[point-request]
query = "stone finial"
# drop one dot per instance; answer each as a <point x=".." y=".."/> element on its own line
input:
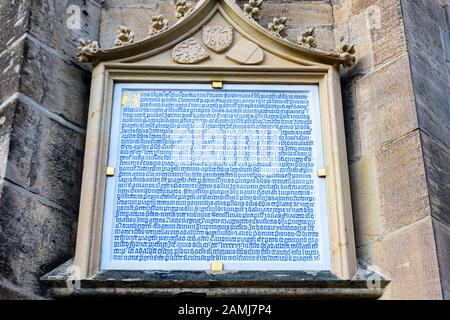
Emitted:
<point x="124" y="36"/>
<point x="308" y="39"/>
<point x="253" y="9"/>
<point x="182" y="8"/>
<point x="346" y="51"/>
<point x="278" y="27"/>
<point x="87" y="48"/>
<point x="158" y="23"/>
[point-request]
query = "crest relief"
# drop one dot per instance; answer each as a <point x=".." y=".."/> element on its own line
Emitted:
<point x="189" y="51"/>
<point x="246" y="52"/>
<point x="218" y="38"/>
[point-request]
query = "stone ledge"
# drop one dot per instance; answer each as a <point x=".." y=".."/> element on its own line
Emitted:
<point x="9" y="291"/>
<point x="251" y="284"/>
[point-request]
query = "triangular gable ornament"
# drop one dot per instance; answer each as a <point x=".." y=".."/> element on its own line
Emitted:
<point x="216" y="38"/>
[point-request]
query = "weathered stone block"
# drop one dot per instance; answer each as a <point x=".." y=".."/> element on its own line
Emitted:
<point x="437" y="165"/>
<point x="377" y="29"/>
<point x="423" y="35"/>
<point x="7" y="114"/>
<point x="137" y="19"/>
<point x="352" y="131"/>
<point x="45" y="157"/>
<point x="62" y="88"/>
<point x="408" y="258"/>
<point x="445" y="37"/>
<point x="344" y="9"/>
<point x="132" y="3"/>
<point x="9" y="291"/>
<point x="365" y="200"/>
<point x="14" y="21"/>
<point x="388" y="42"/>
<point x="299" y="13"/>
<point x="375" y="112"/>
<point x="48" y="23"/>
<point x="35" y="237"/>
<point x="10" y="67"/>
<point x="356" y="31"/>
<point x="383" y="114"/>
<point x="442" y="236"/>
<point x="432" y="101"/>
<point x="431" y="9"/>
<point x="402" y="183"/>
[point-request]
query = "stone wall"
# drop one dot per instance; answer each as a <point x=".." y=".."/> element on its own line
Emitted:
<point x="397" y="109"/>
<point x="427" y="33"/>
<point x="44" y="98"/>
<point x="301" y="15"/>
<point x="396" y="101"/>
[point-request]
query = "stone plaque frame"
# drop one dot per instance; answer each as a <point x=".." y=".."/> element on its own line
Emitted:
<point x="151" y="61"/>
<point x="339" y="205"/>
<point x="320" y="193"/>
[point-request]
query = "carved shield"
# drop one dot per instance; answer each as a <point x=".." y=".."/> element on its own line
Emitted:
<point x="189" y="52"/>
<point x="217" y="38"/>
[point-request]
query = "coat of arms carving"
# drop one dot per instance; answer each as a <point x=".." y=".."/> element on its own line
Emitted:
<point x="189" y="52"/>
<point x="218" y="38"/>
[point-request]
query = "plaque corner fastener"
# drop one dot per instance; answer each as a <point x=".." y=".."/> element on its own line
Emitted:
<point x="110" y="171"/>
<point x="216" y="266"/>
<point x="322" y="173"/>
<point x="217" y="85"/>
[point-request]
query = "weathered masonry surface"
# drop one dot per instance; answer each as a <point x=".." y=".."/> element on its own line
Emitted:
<point x="44" y="97"/>
<point x="396" y="102"/>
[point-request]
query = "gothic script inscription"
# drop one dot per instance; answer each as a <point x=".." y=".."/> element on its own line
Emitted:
<point x="216" y="175"/>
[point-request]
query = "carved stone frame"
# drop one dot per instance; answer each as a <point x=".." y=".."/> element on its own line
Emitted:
<point x="97" y="143"/>
<point x="150" y="61"/>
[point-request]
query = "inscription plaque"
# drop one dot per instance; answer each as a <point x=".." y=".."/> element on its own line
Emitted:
<point x="207" y="175"/>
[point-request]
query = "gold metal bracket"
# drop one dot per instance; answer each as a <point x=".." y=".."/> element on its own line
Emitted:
<point x="322" y="173"/>
<point x="216" y="266"/>
<point x="110" y="171"/>
<point x="217" y="85"/>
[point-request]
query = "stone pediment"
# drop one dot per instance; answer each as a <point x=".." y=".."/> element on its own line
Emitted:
<point x="214" y="33"/>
